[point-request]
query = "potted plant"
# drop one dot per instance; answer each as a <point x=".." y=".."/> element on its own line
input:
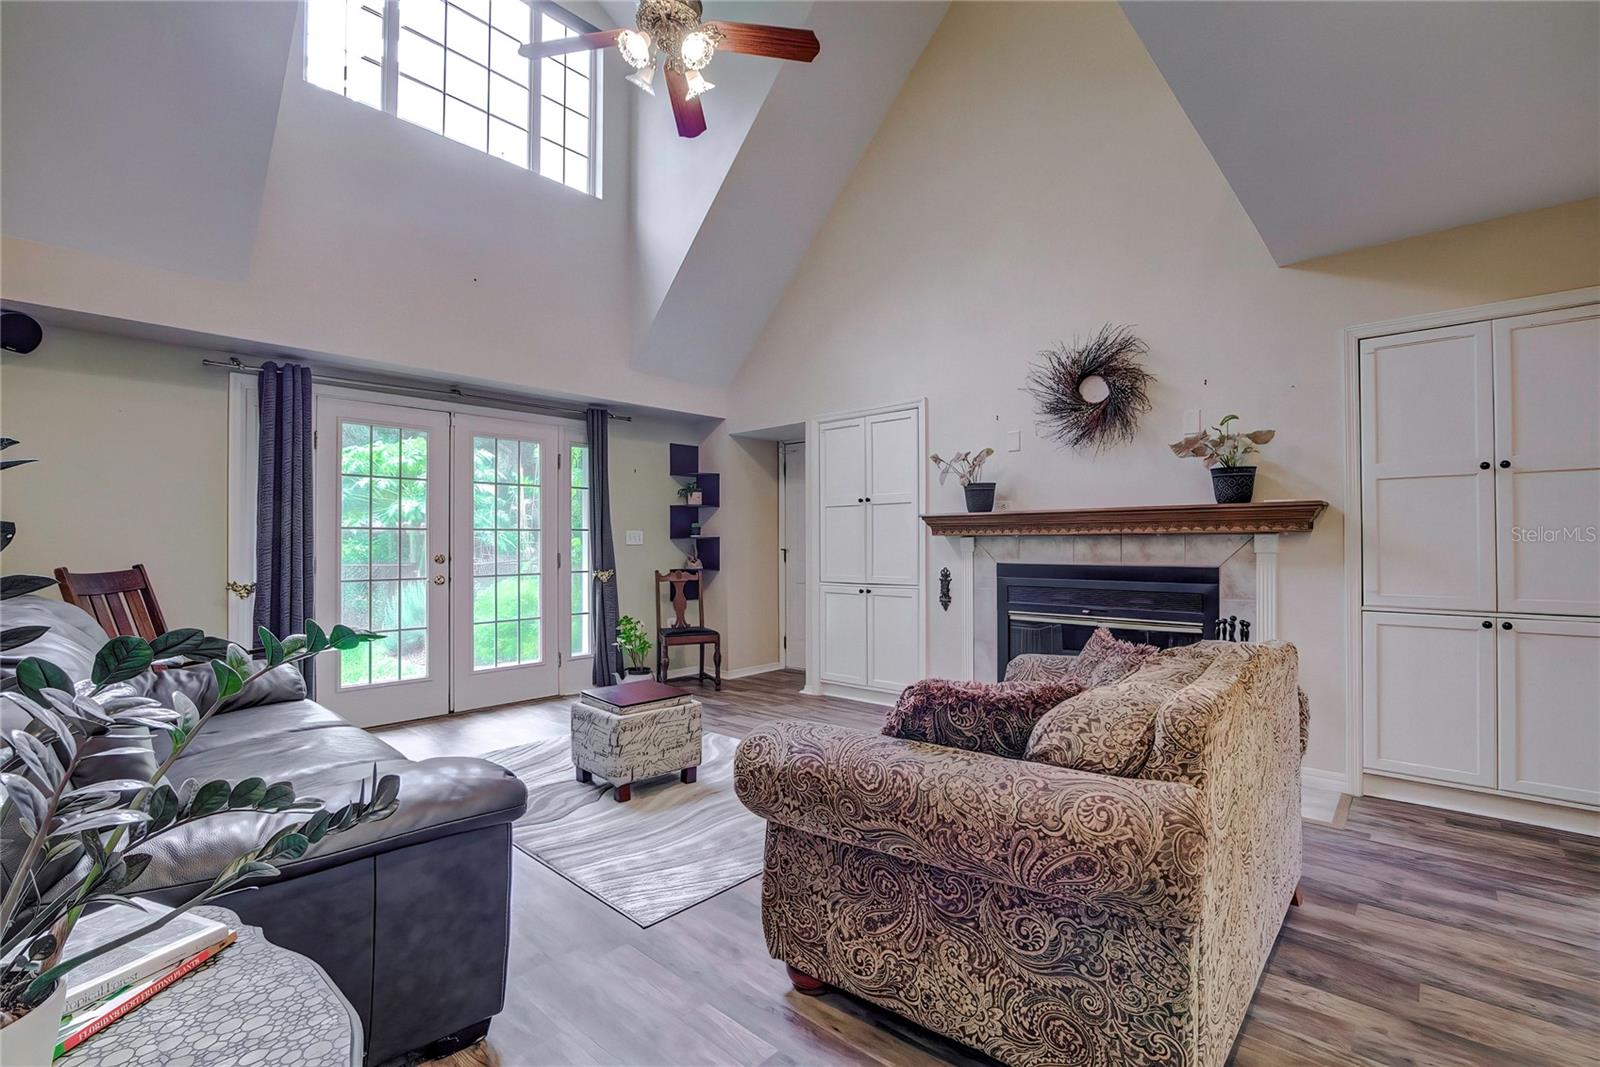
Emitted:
<point x="691" y="493"/>
<point x="78" y="843"/>
<point x="635" y="644"/>
<point x="967" y="467"/>
<point x="1224" y="450"/>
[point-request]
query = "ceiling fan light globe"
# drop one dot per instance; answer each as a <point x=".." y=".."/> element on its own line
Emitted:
<point x="696" y="50"/>
<point x="644" y="78"/>
<point x="697" y="84"/>
<point x="635" y="48"/>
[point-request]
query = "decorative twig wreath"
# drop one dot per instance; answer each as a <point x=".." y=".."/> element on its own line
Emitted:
<point x="1057" y="384"/>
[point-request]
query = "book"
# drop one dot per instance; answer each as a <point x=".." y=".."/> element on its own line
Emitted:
<point x="139" y="959"/>
<point x="633" y="697"/>
<point x="77" y="1029"/>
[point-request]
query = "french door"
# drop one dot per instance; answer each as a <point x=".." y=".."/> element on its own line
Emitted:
<point x="440" y="532"/>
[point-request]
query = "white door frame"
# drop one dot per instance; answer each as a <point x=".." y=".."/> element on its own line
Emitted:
<point x="1350" y="339"/>
<point x="814" y="684"/>
<point x="783" y="547"/>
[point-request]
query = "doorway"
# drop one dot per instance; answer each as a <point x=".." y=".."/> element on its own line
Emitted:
<point x="792" y="553"/>
<point x="445" y="531"/>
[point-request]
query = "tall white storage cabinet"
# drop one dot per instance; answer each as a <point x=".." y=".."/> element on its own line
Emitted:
<point x="870" y="477"/>
<point x="1480" y="536"/>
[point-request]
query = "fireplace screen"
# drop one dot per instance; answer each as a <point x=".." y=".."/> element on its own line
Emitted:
<point x="1054" y="608"/>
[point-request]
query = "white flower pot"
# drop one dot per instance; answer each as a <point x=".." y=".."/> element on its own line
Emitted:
<point x="31" y="1040"/>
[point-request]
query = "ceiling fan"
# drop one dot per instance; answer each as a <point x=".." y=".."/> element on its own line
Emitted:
<point x="673" y="30"/>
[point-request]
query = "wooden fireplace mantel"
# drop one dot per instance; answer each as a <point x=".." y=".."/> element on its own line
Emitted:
<point x="1258" y="517"/>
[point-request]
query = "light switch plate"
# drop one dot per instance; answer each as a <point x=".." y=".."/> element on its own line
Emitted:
<point x="634" y="537"/>
<point x="1013" y="440"/>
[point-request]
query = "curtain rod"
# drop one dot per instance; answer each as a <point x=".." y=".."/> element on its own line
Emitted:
<point x="453" y="393"/>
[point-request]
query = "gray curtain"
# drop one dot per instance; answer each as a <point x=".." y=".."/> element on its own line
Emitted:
<point x="284" y="534"/>
<point x="602" y="554"/>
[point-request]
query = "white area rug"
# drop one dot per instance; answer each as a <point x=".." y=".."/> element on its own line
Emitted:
<point x="670" y="847"/>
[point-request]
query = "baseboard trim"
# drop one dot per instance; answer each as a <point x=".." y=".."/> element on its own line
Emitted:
<point x="740" y="672"/>
<point x="853" y="692"/>
<point x="1334" y="780"/>
<point x="1488" y="805"/>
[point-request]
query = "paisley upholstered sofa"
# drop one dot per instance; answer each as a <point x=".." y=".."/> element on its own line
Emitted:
<point x="1042" y="914"/>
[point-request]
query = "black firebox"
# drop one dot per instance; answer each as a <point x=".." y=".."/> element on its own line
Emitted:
<point x="1053" y="608"/>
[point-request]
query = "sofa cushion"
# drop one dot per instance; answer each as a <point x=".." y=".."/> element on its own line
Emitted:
<point x="1105" y="660"/>
<point x="70" y="643"/>
<point x="1109" y="729"/>
<point x="278" y="742"/>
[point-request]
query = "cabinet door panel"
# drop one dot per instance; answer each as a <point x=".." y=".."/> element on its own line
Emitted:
<point x="1427" y="426"/>
<point x="894" y="622"/>
<point x="894" y="470"/>
<point x="1547" y="379"/>
<point x="844" y="635"/>
<point x="842" y="477"/>
<point x="1550" y="709"/>
<point x="1428" y="699"/>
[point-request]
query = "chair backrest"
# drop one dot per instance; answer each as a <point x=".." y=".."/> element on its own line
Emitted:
<point x="121" y="601"/>
<point x="679" y="597"/>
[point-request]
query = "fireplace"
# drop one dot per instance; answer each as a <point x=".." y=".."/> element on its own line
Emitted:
<point x="1053" y="608"/>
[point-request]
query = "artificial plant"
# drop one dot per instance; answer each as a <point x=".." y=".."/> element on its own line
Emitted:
<point x="633" y="641"/>
<point x="1221" y="445"/>
<point x="79" y="843"/>
<point x="966" y="466"/>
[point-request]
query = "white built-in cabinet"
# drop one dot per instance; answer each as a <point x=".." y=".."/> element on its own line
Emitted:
<point x="870" y="476"/>
<point x="1480" y="454"/>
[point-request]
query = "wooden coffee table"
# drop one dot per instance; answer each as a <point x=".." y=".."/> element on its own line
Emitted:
<point x="649" y="729"/>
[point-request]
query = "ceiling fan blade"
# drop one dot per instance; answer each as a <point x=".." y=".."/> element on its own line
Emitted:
<point x="779" y="42"/>
<point x="690" y="115"/>
<point x="599" y="39"/>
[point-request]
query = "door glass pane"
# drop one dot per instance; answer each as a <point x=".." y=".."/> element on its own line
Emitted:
<point x="383" y="516"/>
<point x="505" y="552"/>
<point x="578" y="559"/>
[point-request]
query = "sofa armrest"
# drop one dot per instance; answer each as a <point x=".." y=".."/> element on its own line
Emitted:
<point x="1118" y="841"/>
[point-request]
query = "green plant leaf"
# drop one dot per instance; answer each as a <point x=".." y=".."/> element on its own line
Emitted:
<point x="8" y="531"/>
<point x="121" y="658"/>
<point x="162" y="806"/>
<point x="211" y="798"/>
<point x="35" y="675"/>
<point x="188" y="641"/>
<point x="100" y="820"/>
<point x="343" y="638"/>
<point x="271" y="646"/>
<point x="18" y="584"/>
<point x="291" y="847"/>
<point x="387" y="791"/>
<point x="248" y="793"/>
<point x="18" y="636"/>
<point x="7" y="464"/>
<point x="7" y="442"/>
<point x="316" y="640"/>
<point x="239" y="660"/>
<point x="31" y="805"/>
<point x="228" y="680"/>
<point x="278" y="796"/>
<point x="294" y="644"/>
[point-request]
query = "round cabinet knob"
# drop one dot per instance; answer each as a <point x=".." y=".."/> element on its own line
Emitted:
<point x="861" y="590"/>
<point x="869" y="591"/>
<point x="438" y="579"/>
<point x="1484" y="465"/>
<point x="869" y="500"/>
<point x="1487" y="625"/>
<point x="1505" y="463"/>
<point x="438" y="557"/>
<point x="1505" y="626"/>
<point x="861" y="500"/>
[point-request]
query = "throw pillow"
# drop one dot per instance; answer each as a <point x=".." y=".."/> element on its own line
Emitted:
<point x="993" y="717"/>
<point x="1109" y="729"/>
<point x="1105" y="659"/>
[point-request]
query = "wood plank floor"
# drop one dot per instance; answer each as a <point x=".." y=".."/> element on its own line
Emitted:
<point x="1425" y="938"/>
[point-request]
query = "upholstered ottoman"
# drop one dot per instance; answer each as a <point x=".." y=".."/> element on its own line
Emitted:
<point x="624" y="749"/>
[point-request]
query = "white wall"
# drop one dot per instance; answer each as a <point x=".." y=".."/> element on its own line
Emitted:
<point x="131" y="439"/>
<point x="1036" y="178"/>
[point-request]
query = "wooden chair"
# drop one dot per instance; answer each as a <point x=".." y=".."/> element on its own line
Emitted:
<point x="681" y="632"/>
<point x="122" y="602"/>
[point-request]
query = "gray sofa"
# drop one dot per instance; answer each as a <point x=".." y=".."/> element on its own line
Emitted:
<point x="409" y="915"/>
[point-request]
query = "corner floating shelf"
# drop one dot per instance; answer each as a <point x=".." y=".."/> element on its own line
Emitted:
<point x="684" y="465"/>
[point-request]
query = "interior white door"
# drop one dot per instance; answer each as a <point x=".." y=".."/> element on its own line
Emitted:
<point x="1547" y="441"/>
<point x="794" y="555"/>
<point x="1550" y="708"/>
<point x="1427" y="470"/>
<point x="843" y="632"/>
<point x="1428" y="700"/>
<point x="894" y="622"/>
<point x="381" y="483"/>
<point x="843" y="500"/>
<point x="506" y="603"/>
<point x="894" y="471"/>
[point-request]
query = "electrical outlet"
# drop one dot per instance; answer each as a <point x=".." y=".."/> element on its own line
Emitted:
<point x="634" y="537"/>
<point x="1013" y="440"/>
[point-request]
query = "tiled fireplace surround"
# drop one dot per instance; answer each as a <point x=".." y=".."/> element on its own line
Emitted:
<point x="1247" y="568"/>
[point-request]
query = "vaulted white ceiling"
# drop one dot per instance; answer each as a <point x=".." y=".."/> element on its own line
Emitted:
<point x="1341" y="125"/>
